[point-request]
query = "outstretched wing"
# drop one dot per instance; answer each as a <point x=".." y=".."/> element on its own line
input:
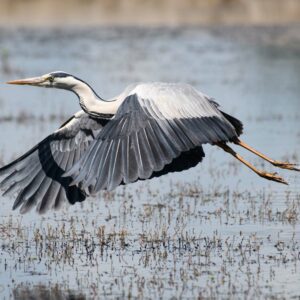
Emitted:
<point x="150" y="129"/>
<point x="37" y="175"/>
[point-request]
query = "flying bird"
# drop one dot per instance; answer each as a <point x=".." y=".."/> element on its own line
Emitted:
<point x="147" y="131"/>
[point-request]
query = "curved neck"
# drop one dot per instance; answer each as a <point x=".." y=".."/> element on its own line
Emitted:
<point x="91" y="103"/>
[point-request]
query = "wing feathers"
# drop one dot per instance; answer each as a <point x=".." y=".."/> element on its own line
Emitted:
<point x="36" y="188"/>
<point x="155" y="128"/>
<point x="114" y="172"/>
<point x="37" y="175"/>
<point x="146" y="135"/>
<point x="49" y="190"/>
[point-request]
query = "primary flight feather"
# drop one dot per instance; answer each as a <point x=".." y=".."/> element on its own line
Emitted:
<point x="147" y="131"/>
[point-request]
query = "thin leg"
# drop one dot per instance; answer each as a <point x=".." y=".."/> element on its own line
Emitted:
<point x="276" y="163"/>
<point x="269" y="176"/>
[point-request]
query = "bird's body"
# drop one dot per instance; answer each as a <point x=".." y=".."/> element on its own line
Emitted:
<point x="150" y="129"/>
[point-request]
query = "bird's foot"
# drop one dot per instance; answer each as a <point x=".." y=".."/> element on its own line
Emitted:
<point x="273" y="177"/>
<point x="286" y="165"/>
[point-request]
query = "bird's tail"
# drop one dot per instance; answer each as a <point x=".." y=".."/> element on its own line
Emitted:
<point x="237" y="124"/>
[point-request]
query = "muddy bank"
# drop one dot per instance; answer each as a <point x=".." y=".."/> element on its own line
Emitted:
<point x="147" y="12"/>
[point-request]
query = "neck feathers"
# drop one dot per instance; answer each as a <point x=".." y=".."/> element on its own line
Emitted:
<point x="91" y="103"/>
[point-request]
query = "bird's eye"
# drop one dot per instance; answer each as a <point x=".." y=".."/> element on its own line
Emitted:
<point x="51" y="79"/>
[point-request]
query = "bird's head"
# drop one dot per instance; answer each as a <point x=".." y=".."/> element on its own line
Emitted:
<point x="57" y="79"/>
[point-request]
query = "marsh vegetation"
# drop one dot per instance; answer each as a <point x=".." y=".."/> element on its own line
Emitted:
<point x="215" y="231"/>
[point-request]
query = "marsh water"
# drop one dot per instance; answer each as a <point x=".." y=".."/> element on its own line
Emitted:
<point x="217" y="230"/>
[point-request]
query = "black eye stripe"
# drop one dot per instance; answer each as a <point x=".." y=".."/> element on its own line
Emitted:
<point x="64" y="75"/>
<point x="60" y="74"/>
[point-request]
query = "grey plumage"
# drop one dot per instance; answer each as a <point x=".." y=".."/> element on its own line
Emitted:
<point x="37" y="175"/>
<point x="146" y="134"/>
<point x="147" y="131"/>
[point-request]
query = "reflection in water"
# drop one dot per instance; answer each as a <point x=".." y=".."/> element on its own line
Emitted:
<point x="42" y="292"/>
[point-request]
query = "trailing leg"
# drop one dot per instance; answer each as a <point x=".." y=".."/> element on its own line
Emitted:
<point x="276" y="163"/>
<point x="269" y="176"/>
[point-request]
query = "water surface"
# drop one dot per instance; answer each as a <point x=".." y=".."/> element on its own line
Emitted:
<point x="217" y="230"/>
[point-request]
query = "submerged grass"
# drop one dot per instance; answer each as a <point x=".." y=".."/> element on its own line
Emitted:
<point x="215" y="231"/>
<point x="188" y="242"/>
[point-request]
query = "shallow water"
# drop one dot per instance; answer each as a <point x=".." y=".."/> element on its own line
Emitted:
<point x="216" y="230"/>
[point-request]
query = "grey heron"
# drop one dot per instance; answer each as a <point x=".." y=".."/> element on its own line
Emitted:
<point x="149" y="130"/>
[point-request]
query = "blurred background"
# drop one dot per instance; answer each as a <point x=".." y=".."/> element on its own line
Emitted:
<point x="215" y="231"/>
<point x="147" y="12"/>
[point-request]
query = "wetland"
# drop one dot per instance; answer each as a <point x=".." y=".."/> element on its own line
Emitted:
<point x="214" y="231"/>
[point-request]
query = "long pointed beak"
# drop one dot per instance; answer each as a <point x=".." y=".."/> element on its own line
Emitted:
<point x="28" y="81"/>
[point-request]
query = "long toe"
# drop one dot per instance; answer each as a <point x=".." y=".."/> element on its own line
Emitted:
<point x="286" y="165"/>
<point x="273" y="177"/>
